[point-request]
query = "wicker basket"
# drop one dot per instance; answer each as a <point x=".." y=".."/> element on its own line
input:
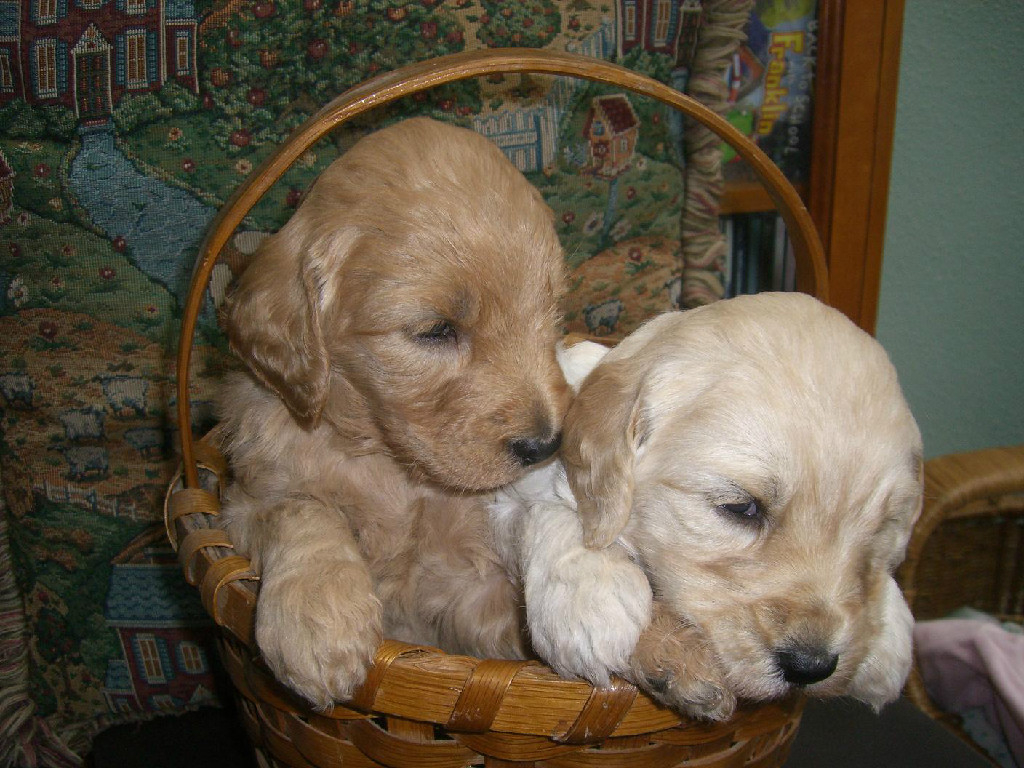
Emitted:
<point x="968" y="547"/>
<point x="419" y="706"/>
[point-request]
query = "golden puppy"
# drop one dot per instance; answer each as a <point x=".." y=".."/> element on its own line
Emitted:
<point x="399" y="333"/>
<point x="747" y="475"/>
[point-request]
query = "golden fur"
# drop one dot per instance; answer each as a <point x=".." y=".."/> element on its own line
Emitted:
<point x="747" y="477"/>
<point x="399" y="333"/>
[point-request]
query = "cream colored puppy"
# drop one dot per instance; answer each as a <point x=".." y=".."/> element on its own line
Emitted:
<point x="747" y="475"/>
<point x="399" y="334"/>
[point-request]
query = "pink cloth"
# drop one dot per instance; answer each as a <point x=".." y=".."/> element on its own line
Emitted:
<point x="970" y="663"/>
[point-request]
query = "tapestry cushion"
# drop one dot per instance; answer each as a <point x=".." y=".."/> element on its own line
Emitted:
<point x="126" y="124"/>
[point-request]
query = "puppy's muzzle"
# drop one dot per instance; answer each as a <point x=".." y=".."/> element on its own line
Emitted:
<point x="532" y="450"/>
<point x="804" y="666"/>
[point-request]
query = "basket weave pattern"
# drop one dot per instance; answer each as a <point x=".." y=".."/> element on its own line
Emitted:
<point x="968" y="547"/>
<point x="422" y="707"/>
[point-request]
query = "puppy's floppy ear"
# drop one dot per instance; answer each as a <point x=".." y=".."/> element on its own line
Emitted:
<point x="881" y="675"/>
<point x="273" y="321"/>
<point x="601" y="436"/>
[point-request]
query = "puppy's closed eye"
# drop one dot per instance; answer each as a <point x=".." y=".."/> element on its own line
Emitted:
<point x="746" y="512"/>
<point x="441" y="332"/>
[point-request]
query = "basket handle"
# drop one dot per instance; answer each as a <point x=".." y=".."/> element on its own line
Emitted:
<point x="812" y="274"/>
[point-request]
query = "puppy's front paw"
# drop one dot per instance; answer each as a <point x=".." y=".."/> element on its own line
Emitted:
<point x="691" y="692"/>
<point x="318" y="630"/>
<point x="585" y="610"/>
<point x="673" y="663"/>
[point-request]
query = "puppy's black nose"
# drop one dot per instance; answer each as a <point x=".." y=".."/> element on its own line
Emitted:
<point x="803" y="666"/>
<point x="530" y="450"/>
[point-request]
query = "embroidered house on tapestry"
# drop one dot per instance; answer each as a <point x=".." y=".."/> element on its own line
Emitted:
<point x="611" y="128"/>
<point x="529" y="136"/>
<point x="86" y="55"/>
<point x="163" y="630"/>
<point x="660" y="26"/>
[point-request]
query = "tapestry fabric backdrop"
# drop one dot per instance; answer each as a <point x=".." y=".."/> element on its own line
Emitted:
<point x="125" y="125"/>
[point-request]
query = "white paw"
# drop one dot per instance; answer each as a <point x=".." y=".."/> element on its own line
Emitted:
<point x="318" y="630"/>
<point x="585" y="609"/>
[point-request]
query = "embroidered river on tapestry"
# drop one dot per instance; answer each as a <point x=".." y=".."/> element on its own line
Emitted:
<point x="161" y="224"/>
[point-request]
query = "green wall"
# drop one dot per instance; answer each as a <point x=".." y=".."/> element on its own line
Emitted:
<point x="951" y="309"/>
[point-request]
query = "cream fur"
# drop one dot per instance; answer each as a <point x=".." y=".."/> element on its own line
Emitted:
<point x="774" y="398"/>
<point x="399" y="333"/>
